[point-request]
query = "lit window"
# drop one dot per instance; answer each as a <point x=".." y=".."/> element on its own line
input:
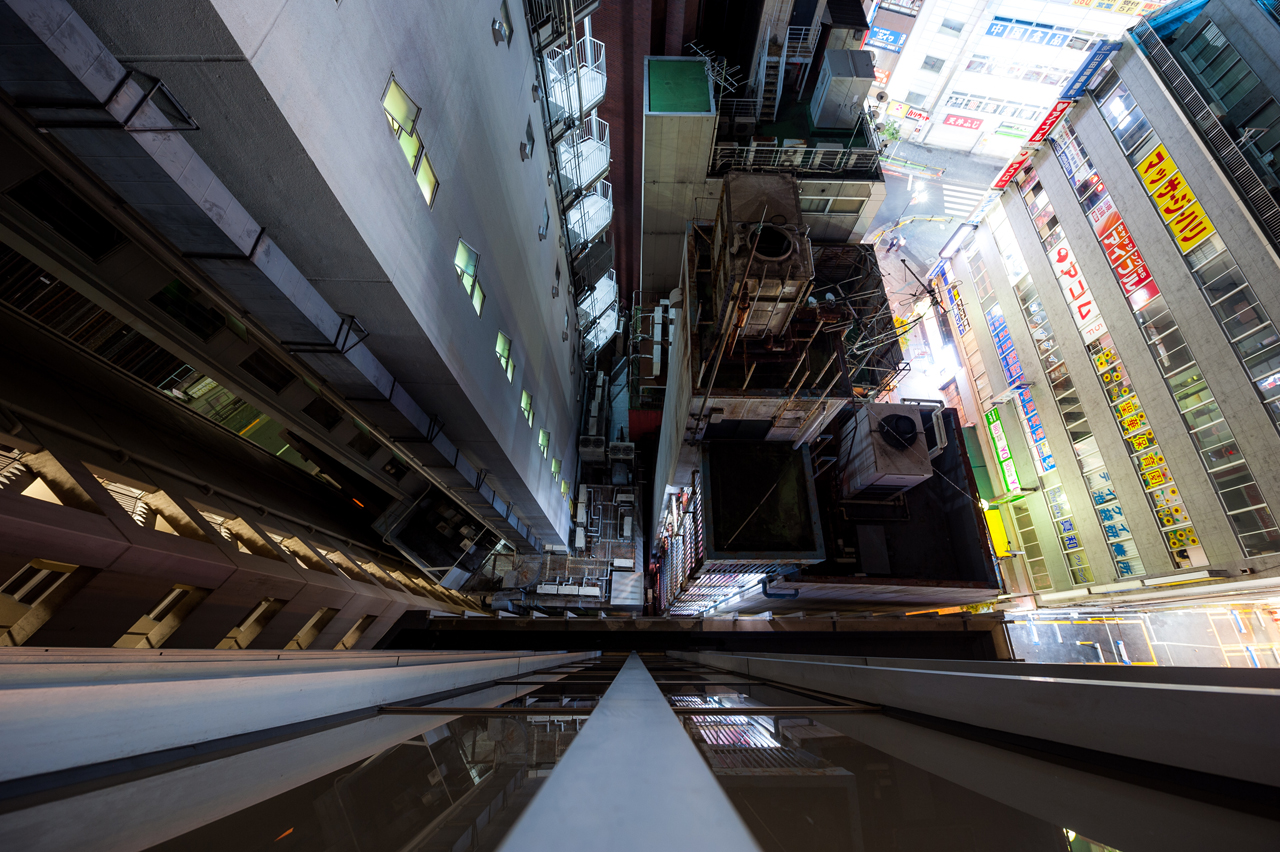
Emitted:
<point x="555" y="469"/>
<point x="465" y="260"/>
<point x="504" y="355"/>
<point x="402" y="116"/>
<point x="544" y="442"/>
<point x="564" y="488"/>
<point x="526" y="407"/>
<point x="477" y="299"/>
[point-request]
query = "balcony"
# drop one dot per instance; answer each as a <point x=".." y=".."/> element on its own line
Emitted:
<point x="598" y="312"/>
<point x="575" y="79"/>
<point x="583" y="155"/>
<point x="590" y="216"/>
<point x="547" y="17"/>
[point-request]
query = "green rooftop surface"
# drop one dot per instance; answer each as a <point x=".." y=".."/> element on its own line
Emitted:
<point x="678" y="85"/>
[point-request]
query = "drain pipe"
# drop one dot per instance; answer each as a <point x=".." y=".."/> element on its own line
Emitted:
<point x="788" y="595"/>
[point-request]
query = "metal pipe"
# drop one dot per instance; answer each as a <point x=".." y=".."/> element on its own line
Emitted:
<point x="750" y="373"/>
<point x="800" y="438"/>
<point x="803" y="353"/>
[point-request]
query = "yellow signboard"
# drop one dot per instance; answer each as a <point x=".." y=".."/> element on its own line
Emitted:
<point x="1173" y="196"/>
<point x="1191" y="227"/>
<point x="1157" y="166"/>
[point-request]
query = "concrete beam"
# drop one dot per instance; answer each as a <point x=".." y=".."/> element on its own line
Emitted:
<point x="647" y="784"/>
<point x="54" y="721"/>
<point x="1160" y="715"/>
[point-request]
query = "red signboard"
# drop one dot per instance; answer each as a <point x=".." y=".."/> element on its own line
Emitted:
<point x="1015" y="166"/>
<point x="1133" y="273"/>
<point x="962" y="121"/>
<point x="1046" y="126"/>
<point x="1104" y="216"/>
<point x="1117" y="243"/>
<point x="882" y="76"/>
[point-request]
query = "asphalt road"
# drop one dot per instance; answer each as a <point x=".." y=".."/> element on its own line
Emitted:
<point x="932" y="190"/>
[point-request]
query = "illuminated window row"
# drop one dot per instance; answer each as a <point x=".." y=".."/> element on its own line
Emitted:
<point x="1106" y="505"/>
<point x="402" y="115"/>
<point x="1243" y="320"/>
<point x="1190" y="228"/>
<point x="1163" y="494"/>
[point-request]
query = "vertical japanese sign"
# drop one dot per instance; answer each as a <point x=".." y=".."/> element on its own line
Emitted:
<point x="1004" y="457"/>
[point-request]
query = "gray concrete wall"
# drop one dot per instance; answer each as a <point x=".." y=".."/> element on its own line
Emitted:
<point x="303" y="142"/>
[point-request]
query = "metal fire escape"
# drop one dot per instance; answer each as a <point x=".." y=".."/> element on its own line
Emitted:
<point x="571" y="85"/>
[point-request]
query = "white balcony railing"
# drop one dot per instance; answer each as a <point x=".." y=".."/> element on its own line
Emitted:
<point x="801" y="42"/>
<point x="583" y="155"/>
<point x="575" y="78"/>
<point x="590" y="215"/>
<point x="598" y="312"/>
<point x="739" y="108"/>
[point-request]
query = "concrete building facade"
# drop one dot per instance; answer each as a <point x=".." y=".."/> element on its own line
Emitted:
<point x="1118" y="302"/>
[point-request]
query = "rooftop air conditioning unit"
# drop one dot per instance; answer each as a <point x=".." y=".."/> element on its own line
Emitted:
<point x="591" y="448"/>
<point x="883" y="452"/>
<point x="622" y="451"/>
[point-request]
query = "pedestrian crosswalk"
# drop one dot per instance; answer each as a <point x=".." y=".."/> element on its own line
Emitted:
<point x="960" y="200"/>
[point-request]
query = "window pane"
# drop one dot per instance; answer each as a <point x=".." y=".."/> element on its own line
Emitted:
<point x="1252" y="521"/>
<point x="1243" y="497"/>
<point x="410" y="144"/>
<point x="1169" y="358"/>
<point x="477" y="299"/>
<point x="399" y="106"/>
<point x="1202" y="416"/>
<point x="427" y="181"/>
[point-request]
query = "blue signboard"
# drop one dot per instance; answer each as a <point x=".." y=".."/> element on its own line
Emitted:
<point x="1100" y="54"/>
<point x="1031" y="34"/>
<point x="888" y="39"/>
<point x="1012" y="368"/>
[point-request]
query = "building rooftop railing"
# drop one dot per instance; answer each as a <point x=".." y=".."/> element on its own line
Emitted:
<point x="1247" y="182"/>
<point x="801" y="42"/>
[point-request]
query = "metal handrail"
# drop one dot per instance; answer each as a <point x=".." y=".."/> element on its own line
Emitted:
<point x="739" y="107"/>
<point x="801" y="42"/>
<point x="1247" y="182"/>
<point x="571" y="151"/>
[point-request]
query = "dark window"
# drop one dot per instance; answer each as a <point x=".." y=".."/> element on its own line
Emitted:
<point x="267" y="370"/>
<point x="395" y="468"/>
<point x="363" y="444"/>
<point x="181" y="302"/>
<point x="321" y="411"/>
<point x="933" y="63"/>
<point x="53" y="202"/>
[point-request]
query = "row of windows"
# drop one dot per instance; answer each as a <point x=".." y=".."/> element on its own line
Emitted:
<point x="1046" y="74"/>
<point x="1220" y="66"/>
<point x="993" y="106"/>
<point x="1084" y="446"/>
<point x="1244" y="321"/>
<point x="503" y="350"/>
<point x="402" y="117"/>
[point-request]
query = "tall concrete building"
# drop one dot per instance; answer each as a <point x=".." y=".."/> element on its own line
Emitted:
<point x="977" y="76"/>
<point x="345" y="268"/>
<point x="1116" y="313"/>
